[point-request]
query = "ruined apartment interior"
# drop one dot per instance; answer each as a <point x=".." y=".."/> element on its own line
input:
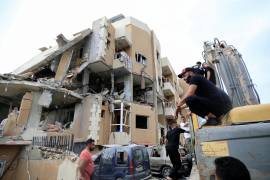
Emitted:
<point x="108" y="83"/>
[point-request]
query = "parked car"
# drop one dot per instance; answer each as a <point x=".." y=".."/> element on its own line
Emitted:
<point x="160" y="163"/>
<point x="122" y="162"/>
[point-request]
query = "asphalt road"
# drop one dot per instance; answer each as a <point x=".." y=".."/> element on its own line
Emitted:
<point x="193" y="176"/>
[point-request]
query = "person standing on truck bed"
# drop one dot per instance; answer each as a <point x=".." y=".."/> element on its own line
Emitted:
<point x="203" y="98"/>
<point x="209" y="73"/>
<point x="172" y="146"/>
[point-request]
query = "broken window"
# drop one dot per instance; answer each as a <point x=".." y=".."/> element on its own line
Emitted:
<point x="81" y="53"/>
<point x="56" y="119"/>
<point x="99" y="82"/>
<point x="141" y="122"/>
<point x="119" y="87"/>
<point x="4" y="110"/>
<point x="107" y="156"/>
<point x="156" y="153"/>
<point x="103" y="113"/>
<point x="158" y="55"/>
<point x="121" y="157"/>
<point x="44" y="72"/>
<point x="140" y="59"/>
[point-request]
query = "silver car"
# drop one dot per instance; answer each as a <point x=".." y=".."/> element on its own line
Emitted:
<point x="160" y="163"/>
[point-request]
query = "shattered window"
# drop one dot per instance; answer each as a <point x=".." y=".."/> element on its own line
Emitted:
<point x="140" y="59"/>
<point x="158" y="55"/>
<point x="121" y="157"/>
<point x="107" y="156"/>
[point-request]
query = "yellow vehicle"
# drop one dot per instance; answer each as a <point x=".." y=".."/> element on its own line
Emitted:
<point x="245" y="130"/>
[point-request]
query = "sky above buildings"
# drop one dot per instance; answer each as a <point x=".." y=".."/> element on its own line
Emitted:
<point x="181" y="27"/>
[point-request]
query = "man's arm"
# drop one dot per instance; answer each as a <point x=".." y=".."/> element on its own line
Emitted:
<point x="165" y="141"/>
<point x="208" y="74"/>
<point x="82" y="165"/>
<point x="190" y="92"/>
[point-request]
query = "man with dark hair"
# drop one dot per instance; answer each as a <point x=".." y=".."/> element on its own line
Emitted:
<point x="230" y="168"/>
<point x="203" y="98"/>
<point x="198" y="68"/>
<point x="86" y="165"/>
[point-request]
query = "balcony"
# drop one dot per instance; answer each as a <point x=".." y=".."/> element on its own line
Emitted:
<point x="170" y="109"/>
<point x="168" y="88"/>
<point x="166" y="67"/>
<point x="122" y="64"/>
<point x="160" y="108"/>
<point x="122" y="38"/>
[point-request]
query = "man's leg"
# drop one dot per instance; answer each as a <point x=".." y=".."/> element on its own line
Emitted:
<point x="204" y="108"/>
<point x="198" y="105"/>
<point x="176" y="162"/>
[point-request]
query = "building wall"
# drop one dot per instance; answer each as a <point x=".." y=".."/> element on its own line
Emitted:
<point x="87" y="118"/>
<point x="38" y="169"/>
<point x="141" y="43"/>
<point x="143" y="136"/>
<point x="105" y="125"/>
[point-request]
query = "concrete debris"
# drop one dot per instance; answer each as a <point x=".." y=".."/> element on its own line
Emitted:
<point x="43" y="49"/>
<point x="53" y="153"/>
<point x="45" y="99"/>
<point x="61" y="40"/>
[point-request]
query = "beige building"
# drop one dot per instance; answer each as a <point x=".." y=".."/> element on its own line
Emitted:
<point x="108" y="83"/>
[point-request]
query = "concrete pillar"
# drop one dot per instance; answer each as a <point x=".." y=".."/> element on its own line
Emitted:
<point x="34" y="117"/>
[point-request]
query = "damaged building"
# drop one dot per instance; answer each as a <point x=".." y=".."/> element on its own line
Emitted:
<point x="109" y="83"/>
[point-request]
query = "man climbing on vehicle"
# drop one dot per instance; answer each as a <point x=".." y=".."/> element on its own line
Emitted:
<point x="172" y="146"/>
<point x="203" y="98"/>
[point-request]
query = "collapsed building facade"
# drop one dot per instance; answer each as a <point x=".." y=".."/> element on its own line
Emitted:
<point x="108" y="83"/>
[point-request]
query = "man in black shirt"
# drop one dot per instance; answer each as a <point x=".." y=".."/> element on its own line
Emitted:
<point x="172" y="146"/>
<point x="199" y="68"/>
<point x="203" y="98"/>
<point x="209" y="73"/>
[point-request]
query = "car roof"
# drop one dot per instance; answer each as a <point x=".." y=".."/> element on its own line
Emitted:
<point x="115" y="146"/>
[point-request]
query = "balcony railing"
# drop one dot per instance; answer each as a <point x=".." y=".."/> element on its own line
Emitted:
<point x="122" y="63"/>
<point x="170" y="109"/>
<point x="168" y="87"/>
<point x="166" y="67"/>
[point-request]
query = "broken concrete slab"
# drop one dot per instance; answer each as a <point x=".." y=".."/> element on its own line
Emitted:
<point x="16" y="89"/>
<point x="46" y="56"/>
<point x="63" y="65"/>
<point x="24" y="111"/>
<point x="45" y="99"/>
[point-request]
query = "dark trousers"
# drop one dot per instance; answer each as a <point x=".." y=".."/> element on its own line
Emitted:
<point x="176" y="162"/>
<point x="203" y="106"/>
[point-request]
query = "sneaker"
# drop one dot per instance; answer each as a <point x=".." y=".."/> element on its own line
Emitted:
<point x="202" y="122"/>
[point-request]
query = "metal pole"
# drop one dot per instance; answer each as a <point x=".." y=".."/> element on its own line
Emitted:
<point x="121" y="116"/>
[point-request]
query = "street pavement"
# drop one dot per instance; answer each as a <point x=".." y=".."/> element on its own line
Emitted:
<point x="193" y="176"/>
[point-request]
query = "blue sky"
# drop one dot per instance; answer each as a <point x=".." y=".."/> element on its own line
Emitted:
<point x="181" y="27"/>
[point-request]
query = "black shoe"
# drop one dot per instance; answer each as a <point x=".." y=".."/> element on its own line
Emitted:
<point x="213" y="122"/>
